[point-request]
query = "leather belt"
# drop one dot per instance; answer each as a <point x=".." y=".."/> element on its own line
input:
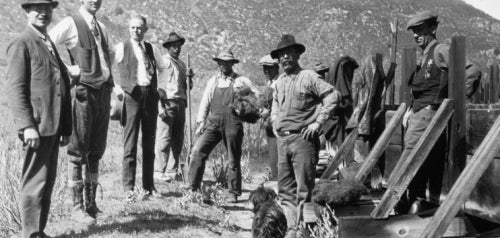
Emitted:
<point x="289" y="132"/>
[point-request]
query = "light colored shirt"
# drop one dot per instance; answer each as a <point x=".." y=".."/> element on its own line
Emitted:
<point x="296" y="97"/>
<point x="65" y="33"/>
<point x="221" y="81"/>
<point x="143" y="78"/>
<point x="173" y="78"/>
<point x="45" y="39"/>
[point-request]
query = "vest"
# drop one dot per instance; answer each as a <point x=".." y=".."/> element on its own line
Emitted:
<point x="429" y="84"/>
<point x="128" y="67"/>
<point x="86" y="55"/>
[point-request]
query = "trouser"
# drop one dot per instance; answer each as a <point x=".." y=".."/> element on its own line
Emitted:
<point x="90" y="129"/>
<point x="230" y="131"/>
<point x="431" y="171"/>
<point x="37" y="181"/>
<point x="141" y="110"/>
<point x="273" y="156"/>
<point x="170" y="136"/>
<point x="297" y="160"/>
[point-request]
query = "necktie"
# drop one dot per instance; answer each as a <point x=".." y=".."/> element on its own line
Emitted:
<point x="94" y="26"/>
<point x="147" y="60"/>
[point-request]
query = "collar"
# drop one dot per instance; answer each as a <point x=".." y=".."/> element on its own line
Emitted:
<point x="37" y="32"/>
<point x="429" y="46"/>
<point x="86" y="15"/>
<point x="171" y="58"/>
<point x="138" y="43"/>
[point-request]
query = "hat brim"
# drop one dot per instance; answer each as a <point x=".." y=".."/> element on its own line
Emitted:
<point x="54" y="4"/>
<point x="217" y="59"/>
<point x="299" y="47"/>
<point x="167" y="43"/>
<point x="418" y="23"/>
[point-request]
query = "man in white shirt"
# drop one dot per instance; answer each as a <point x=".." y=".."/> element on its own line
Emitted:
<point x="217" y="121"/>
<point x="137" y="84"/>
<point x="88" y="43"/>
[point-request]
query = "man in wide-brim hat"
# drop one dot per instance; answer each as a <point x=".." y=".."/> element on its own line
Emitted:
<point x="172" y="109"/>
<point x="297" y="94"/>
<point x="428" y="90"/>
<point x="217" y="121"/>
<point x="38" y="93"/>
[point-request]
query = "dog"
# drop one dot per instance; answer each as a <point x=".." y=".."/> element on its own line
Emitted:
<point x="269" y="221"/>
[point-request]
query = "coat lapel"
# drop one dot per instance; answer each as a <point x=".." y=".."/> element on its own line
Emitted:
<point x="44" y="51"/>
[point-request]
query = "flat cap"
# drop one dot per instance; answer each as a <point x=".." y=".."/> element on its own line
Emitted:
<point x="268" y="61"/>
<point x="421" y="17"/>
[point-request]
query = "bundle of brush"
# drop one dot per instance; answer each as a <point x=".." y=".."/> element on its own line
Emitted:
<point x="269" y="221"/>
<point x="246" y="105"/>
<point x="337" y="193"/>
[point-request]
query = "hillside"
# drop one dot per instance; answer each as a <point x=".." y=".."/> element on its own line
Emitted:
<point x="328" y="29"/>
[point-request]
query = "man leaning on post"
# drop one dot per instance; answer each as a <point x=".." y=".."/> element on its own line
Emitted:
<point x="39" y="100"/>
<point x="297" y="94"/>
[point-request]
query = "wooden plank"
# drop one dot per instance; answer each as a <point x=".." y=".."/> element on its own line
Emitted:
<point x="407" y="226"/>
<point x="381" y="144"/>
<point x="465" y="183"/>
<point x="409" y="63"/>
<point x="455" y="161"/>
<point x="478" y="123"/>
<point x="347" y="145"/>
<point x="407" y="167"/>
<point x="494" y="83"/>
<point x="397" y="137"/>
<point x="392" y="155"/>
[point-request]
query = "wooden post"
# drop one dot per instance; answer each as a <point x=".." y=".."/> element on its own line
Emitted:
<point x="456" y="90"/>
<point x="409" y="63"/>
<point x="494" y="83"/>
<point x="347" y="145"/>
<point x="465" y="183"/>
<point x="381" y="144"/>
<point x="408" y="167"/>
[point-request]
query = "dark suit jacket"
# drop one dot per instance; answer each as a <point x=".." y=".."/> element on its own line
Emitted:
<point x="37" y="86"/>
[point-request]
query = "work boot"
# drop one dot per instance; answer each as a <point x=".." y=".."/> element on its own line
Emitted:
<point x="90" y="203"/>
<point x="79" y="214"/>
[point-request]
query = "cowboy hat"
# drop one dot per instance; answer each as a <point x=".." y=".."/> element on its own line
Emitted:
<point x="287" y="41"/>
<point x="173" y="37"/>
<point x="268" y="61"/>
<point x="28" y="3"/>
<point x="226" y="55"/>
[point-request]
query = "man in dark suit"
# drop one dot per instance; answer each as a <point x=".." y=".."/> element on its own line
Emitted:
<point x="39" y="99"/>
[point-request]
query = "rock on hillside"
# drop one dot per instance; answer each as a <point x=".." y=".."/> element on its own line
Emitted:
<point x="328" y="28"/>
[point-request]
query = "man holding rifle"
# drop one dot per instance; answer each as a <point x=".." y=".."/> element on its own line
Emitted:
<point x="172" y="109"/>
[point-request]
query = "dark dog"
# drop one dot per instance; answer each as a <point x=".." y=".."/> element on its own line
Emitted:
<point x="269" y="221"/>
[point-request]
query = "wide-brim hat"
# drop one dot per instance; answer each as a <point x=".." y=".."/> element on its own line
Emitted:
<point x="319" y="67"/>
<point x="420" y="17"/>
<point x="287" y="41"/>
<point x="268" y="61"/>
<point x="173" y="37"/>
<point x="27" y="3"/>
<point x="226" y="55"/>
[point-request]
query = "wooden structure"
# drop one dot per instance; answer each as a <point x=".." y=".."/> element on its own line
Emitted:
<point x="471" y="131"/>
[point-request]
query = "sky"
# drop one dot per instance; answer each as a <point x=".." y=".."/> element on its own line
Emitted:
<point x="491" y="7"/>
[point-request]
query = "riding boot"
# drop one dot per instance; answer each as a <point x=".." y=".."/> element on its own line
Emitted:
<point x="78" y="214"/>
<point x="90" y="200"/>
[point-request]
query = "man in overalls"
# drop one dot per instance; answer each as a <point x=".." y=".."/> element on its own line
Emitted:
<point x="217" y="121"/>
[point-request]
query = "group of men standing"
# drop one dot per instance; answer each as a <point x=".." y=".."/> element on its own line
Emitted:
<point x="153" y="89"/>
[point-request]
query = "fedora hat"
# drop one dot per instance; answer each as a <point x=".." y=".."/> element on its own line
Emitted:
<point x="226" y="55"/>
<point x="27" y="3"/>
<point x="173" y="37"/>
<point x="287" y="41"/>
<point x="268" y="61"/>
<point x="320" y="67"/>
<point x="420" y="17"/>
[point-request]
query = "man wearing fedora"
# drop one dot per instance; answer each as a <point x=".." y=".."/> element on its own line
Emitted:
<point x="40" y="102"/>
<point x="138" y="62"/>
<point x="217" y="121"/>
<point x="90" y="67"/>
<point x="172" y="109"/>
<point x="270" y="68"/>
<point x="296" y="123"/>
<point x="429" y="86"/>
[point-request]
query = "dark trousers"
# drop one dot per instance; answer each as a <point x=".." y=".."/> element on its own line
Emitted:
<point x="37" y="181"/>
<point x="431" y="171"/>
<point x="170" y="136"/>
<point x="273" y="156"/>
<point x="228" y="129"/>
<point x="90" y="129"/>
<point x="141" y="111"/>
<point x="297" y="160"/>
